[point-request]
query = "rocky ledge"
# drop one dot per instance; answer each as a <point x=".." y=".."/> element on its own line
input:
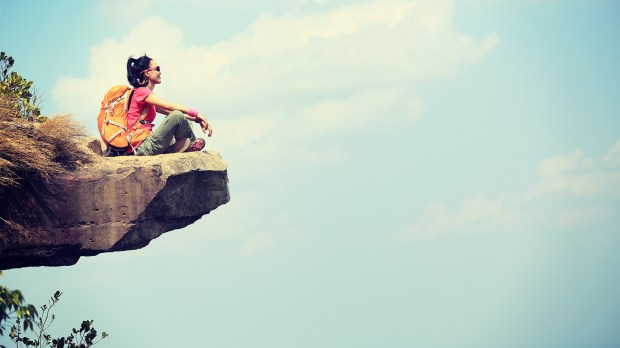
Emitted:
<point x="112" y="204"/>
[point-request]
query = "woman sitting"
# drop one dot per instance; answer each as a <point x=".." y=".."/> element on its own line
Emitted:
<point x="175" y="133"/>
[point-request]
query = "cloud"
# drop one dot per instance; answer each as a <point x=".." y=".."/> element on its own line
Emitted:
<point x="479" y="213"/>
<point x="613" y="155"/>
<point x="328" y="116"/>
<point x="558" y="165"/>
<point x="353" y="112"/>
<point x="256" y="243"/>
<point x="563" y="198"/>
<point x="82" y="96"/>
<point x="576" y="175"/>
<point x="288" y="133"/>
<point x="364" y="46"/>
<point x="292" y="76"/>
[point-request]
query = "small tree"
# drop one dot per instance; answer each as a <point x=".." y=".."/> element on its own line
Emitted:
<point x="12" y="305"/>
<point x="84" y="337"/>
<point x="17" y="90"/>
<point x="24" y="317"/>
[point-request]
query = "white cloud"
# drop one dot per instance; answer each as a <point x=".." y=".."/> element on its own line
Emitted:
<point x="82" y="96"/>
<point x="558" y="165"/>
<point x="256" y="243"/>
<point x="613" y="155"/>
<point x="575" y="174"/>
<point x="353" y="112"/>
<point x="283" y="134"/>
<point x="556" y="201"/>
<point x="369" y="46"/>
<point x="293" y="76"/>
<point x="479" y="213"/>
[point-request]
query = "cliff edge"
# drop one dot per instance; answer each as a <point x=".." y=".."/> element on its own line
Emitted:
<point x="112" y="204"/>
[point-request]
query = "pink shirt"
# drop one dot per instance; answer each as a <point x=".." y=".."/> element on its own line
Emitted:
<point x="136" y="107"/>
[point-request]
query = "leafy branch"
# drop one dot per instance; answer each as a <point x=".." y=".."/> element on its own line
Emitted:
<point x="19" y="93"/>
<point x="25" y="317"/>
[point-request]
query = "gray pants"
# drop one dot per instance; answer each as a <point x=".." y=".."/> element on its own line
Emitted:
<point x="175" y="127"/>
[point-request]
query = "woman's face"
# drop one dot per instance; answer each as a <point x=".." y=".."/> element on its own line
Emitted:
<point x="153" y="74"/>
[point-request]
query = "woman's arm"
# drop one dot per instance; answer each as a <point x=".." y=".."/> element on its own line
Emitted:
<point x="162" y="104"/>
<point x="204" y="124"/>
<point x="162" y="111"/>
<point x="166" y="107"/>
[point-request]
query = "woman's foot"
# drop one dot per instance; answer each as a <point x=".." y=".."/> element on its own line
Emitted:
<point x="196" y="145"/>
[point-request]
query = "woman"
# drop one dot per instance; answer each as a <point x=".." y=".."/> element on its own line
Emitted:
<point x="175" y="133"/>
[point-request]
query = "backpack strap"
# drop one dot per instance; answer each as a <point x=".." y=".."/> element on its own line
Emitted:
<point x="108" y="107"/>
<point x="140" y="121"/>
<point x="128" y="95"/>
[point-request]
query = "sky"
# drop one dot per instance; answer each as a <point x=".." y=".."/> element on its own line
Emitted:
<point x="402" y="173"/>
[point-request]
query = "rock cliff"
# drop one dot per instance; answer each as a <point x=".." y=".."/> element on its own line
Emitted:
<point x="112" y="204"/>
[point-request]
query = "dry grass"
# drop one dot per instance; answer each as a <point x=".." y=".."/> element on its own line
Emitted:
<point x="31" y="150"/>
<point x="65" y="136"/>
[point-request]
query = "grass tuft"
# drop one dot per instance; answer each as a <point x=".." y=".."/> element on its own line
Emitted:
<point x="32" y="150"/>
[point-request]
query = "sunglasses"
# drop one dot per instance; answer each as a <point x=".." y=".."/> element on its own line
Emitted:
<point x="151" y="69"/>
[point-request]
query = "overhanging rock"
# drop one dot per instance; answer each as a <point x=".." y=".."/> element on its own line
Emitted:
<point x="114" y="204"/>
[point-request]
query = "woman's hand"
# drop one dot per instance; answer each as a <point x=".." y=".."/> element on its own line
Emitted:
<point x="204" y="124"/>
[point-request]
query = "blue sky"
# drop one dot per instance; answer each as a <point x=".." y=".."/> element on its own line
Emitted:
<point x="402" y="173"/>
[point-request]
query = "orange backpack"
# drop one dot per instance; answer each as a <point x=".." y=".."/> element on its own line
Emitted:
<point x="112" y="122"/>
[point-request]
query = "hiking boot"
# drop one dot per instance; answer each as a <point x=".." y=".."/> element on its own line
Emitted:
<point x="112" y="151"/>
<point x="196" y="145"/>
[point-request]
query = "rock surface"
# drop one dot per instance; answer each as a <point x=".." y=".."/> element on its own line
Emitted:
<point x="113" y="204"/>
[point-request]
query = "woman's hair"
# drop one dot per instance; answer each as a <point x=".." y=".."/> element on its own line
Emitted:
<point x="135" y="69"/>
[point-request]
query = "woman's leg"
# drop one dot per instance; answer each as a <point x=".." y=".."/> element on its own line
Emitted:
<point x="174" y="127"/>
